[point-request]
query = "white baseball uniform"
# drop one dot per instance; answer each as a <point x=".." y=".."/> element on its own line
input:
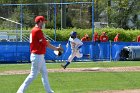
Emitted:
<point x="75" y="47"/>
<point x="38" y="65"/>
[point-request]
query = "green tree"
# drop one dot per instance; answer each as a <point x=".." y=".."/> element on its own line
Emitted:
<point x="122" y="10"/>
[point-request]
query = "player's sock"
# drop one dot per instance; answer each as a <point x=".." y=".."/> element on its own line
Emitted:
<point x="67" y="63"/>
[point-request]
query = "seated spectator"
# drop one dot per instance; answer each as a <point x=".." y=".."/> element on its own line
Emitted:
<point x="85" y="38"/>
<point x="104" y="37"/>
<point x="138" y="38"/>
<point x="116" y="39"/>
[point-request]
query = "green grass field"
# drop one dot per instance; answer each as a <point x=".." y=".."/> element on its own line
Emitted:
<point x="73" y="82"/>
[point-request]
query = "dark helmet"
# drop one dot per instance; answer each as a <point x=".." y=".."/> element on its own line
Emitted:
<point x="73" y="34"/>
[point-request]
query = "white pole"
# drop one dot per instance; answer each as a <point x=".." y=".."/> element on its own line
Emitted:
<point x="10" y="20"/>
<point x="17" y="23"/>
<point x="21" y="21"/>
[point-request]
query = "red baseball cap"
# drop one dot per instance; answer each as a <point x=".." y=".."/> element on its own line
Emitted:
<point x="38" y="18"/>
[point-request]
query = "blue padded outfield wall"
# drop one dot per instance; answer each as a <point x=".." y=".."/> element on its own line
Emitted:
<point x="20" y="51"/>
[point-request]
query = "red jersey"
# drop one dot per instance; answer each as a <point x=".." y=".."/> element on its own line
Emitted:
<point x="96" y="38"/>
<point x="103" y="38"/>
<point x="116" y="39"/>
<point x="138" y="39"/>
<point x="38" y="42"/>
<point x="85" y="39"/>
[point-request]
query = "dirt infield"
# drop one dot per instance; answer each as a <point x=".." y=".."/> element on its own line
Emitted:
<point x="119" y="91"/>
<point x="96" y="69"/>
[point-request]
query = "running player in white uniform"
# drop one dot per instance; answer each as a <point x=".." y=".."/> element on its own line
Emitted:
<point x="75" y="45"/>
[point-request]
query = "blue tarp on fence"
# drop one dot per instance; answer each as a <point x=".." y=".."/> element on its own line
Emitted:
<point x="20" y="51"/>
<point x="14" y="52"/>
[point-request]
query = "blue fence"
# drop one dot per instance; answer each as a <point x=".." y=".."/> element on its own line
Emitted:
<point x="14" y="52"/>
<point x="20" y="51"/>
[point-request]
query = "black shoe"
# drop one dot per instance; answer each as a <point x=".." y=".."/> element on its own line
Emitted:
<point x="63" y="66"/>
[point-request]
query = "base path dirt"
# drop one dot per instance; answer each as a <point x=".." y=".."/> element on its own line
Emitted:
<point x="119" y="91"/>
<point x="95" y="69"/>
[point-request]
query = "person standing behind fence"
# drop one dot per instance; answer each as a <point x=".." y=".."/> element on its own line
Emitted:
<point x="104" y="37"/>
<point x="117" y="38"/>
<point x="117" y="55"/>
<point x="96" y="45"/>
<point x="38" y="45"/>
<point x="138" y="38"/>
<point x="103" y="46"/>
<point x="96" y="37"/>
<point x="85" y="38"/>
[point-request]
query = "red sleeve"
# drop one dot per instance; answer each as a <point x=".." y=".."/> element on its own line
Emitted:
<point x="95" y="38"/>
<point x="83" y="39"/>
<point x="101" y="38"/>
<point x="115" y="39"/>
<point x="41" y="38"/>
<point x="138" y="39"/>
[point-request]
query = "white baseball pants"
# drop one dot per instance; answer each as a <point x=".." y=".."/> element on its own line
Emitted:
<point x="75" y="53"/>
<point x="37" y="65"/>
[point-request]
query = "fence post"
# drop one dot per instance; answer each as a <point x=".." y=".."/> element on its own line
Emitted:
<point x="110" y="50"/>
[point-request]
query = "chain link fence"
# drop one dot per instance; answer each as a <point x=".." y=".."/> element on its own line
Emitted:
<point x="71" y="14"/>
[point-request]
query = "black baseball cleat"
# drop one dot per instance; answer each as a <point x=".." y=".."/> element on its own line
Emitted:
<point x="63" y="66"/>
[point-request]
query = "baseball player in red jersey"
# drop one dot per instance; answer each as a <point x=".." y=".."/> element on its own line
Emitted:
<point x="38" y="46"/>
<point x="104" y="37"/>
<point x="116" y="39"/>
<point x="85" y="38"/>
<point x="96" y="37"/>
<point x="138" y="38"/>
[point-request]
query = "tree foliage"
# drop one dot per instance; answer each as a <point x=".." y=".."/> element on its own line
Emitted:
<point x="124" y="10"/>
<point x="118" y="13"/>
